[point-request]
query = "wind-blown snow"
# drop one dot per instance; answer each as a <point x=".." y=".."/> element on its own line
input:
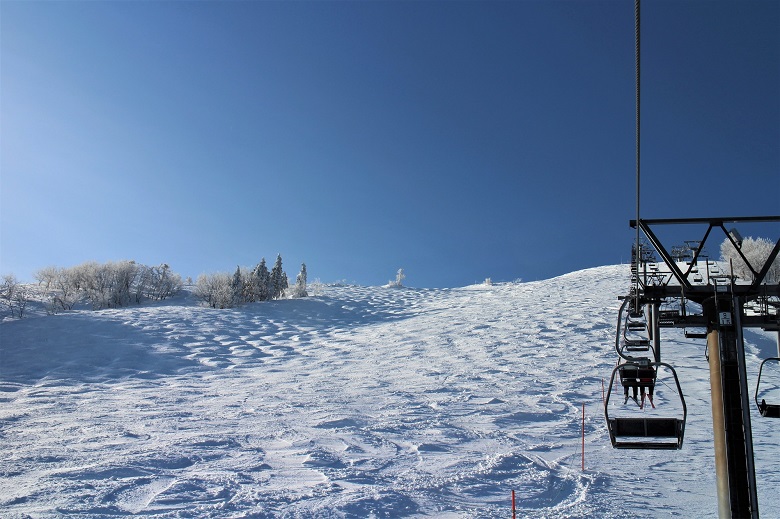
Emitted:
<point x="360" y="402"/>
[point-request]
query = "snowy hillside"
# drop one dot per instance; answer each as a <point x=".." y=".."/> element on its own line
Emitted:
<point x="359" y="402"/>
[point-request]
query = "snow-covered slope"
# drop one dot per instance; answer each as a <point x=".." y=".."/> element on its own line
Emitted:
<point x="359" y="402"/>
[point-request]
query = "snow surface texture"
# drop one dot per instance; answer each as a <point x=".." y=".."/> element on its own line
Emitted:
<point x="361" y="402"/>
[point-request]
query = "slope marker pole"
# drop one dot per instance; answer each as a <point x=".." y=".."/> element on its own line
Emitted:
<point x="514" y="513"/>
<point x="603" y="398"/>
<point x="583" y="437"/>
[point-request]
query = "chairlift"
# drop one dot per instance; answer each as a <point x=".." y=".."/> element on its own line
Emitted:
<point x="766" y="410"/>
<point x="638" y="376"/>
<point x="636" y="325"/>
<point x="640" y="432"/>
<point x="695" y="334"/>
<point x="634" y="333"/>
<point x="636" y="345"/>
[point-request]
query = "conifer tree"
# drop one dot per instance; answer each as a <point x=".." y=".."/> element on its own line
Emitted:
<point x="278" y="279"/>
<point x="237" y="287"/>
<point x="260" y="278"/>
<point x="300" y="283"/>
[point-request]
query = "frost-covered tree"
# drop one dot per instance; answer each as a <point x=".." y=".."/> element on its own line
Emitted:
<point x="399" y="277"/>
<point x="14" y="295"/>
<point x="237" y="287"/>
<point x="94" y="280"/>
<point x="299" y="289"/>
<point x="122" y="277"/>
<point x="59" y="288"/>
<point x="45" y="278"/>
<point x="216" y="290"/>
<point x="756" y="251"/>
<point x="106" y="285"/>
<point x="259" y="281"/>
<point x="278" y="279"/>
<point x="159" y="283"/>
<point x="7" y="289"/>
<point x="144" y="284"/>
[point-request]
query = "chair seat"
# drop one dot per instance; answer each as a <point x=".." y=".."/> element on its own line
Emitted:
<point x="649" y="428"/>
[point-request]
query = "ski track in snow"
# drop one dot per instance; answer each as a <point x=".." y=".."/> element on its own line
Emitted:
<point x="361" y="402"/>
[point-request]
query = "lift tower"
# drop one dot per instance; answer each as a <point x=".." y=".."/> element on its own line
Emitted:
<point x="723" y="314"/>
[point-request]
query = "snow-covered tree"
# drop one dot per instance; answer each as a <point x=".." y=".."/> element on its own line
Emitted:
<point x="122" y="277"/>
<point x="59" y="286"/>
<point x="237" y="287"/>
<point x="399" y="277"/>
<point x="756" y="251"/>
<point x="299" y="289"/>
<point x="162" y="282"/>
<point x="216" y="290"/>
<point x="243" y="286"/>
<point x="259" y="281"/>
<point x="14" y="295"/>
<point x="278" y="279"/>
<point x="107" y="285"/>
<point x="94" y="280"/>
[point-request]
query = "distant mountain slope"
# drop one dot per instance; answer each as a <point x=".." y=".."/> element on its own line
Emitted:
<point x="359" y="402"/>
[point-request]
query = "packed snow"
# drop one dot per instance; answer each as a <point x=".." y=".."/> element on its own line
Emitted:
<point x="356" y="402"/>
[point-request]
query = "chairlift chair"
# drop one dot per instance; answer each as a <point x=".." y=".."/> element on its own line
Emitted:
<point x="636" y="345"/>
<point x="766" y="410"/>
<point x="695" y="335"/>
<point x="635" y="321"/>
<point x="660" y="433"/>
<point x="632" y="340"/>
<point x="636" y="325"/>
<point x="638" y="375"/>
<point x="632" y="329"/>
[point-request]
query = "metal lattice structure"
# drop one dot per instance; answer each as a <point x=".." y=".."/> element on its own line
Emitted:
<point x="687" y="290"/>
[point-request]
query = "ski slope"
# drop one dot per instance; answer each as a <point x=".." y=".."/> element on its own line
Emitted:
<point x="358" y="402"/>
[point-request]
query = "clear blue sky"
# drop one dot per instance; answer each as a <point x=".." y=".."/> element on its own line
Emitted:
<point x="457" y="140"/>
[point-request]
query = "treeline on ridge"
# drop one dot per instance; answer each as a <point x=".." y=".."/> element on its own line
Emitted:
<point x="105" y="285"/>
<point x="116" y="284"/>
<point x="223" y="290"/>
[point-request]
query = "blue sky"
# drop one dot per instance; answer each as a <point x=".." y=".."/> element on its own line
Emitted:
<point x="457" y="140"/>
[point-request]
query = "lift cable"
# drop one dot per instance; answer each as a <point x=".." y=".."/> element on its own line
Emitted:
<point x="637" y="251"/>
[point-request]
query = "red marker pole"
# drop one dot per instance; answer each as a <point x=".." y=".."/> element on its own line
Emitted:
<point x="514" y="515"/>
<point x="603" y="398"/>
<point x="583" y="437"/>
